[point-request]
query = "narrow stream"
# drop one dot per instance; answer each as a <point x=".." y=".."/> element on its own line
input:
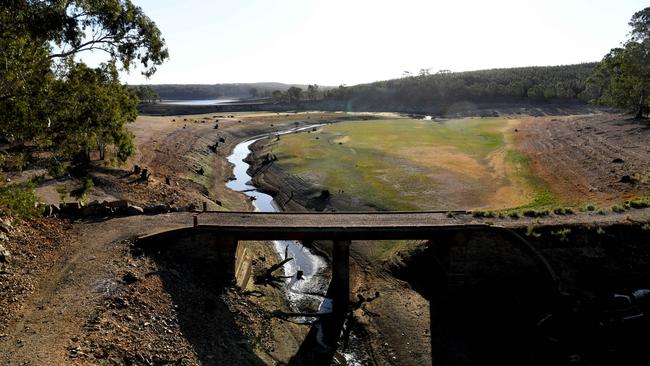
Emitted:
<point x="306" y="294"/>
<point x="302" y="293"/>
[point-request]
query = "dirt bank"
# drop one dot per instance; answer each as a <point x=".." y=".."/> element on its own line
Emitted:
<point x="403" y="337"/>
<point x="75" y="292"/>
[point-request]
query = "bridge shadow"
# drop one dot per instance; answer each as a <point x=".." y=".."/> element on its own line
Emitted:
<point x="486" y="295"/>
<point x="196" y="274"/>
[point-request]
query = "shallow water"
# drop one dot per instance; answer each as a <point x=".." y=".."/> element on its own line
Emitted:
<point x="303" y="293"/>
<point x="199" y="101"/>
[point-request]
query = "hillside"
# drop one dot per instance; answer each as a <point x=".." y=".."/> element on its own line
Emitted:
<point x="210" y="91"/>
<point x="510" y="85"/>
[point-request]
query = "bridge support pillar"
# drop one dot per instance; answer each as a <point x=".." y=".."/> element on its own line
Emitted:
<point x="341" y="277"/>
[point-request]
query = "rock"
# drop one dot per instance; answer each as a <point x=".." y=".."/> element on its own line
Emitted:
<point x="118" y="204"/>
<point x="5" y="225"/>
<point x="156" y="209"/>
<point x="627" y="179"/>
<point x="618" y="161"/>
<point x="3" y="237"/>
<point x="130" y="278"/>
<point x="71" y="208"/>
<point x="4" y="257"/>
<point x="54" y="209"/>
<point x="134" y="210"/>
<point x="200" y="171"/>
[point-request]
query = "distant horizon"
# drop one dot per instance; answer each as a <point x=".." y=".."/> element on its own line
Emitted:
<point x="342" y="42"/>
<point x="369" y="82"/>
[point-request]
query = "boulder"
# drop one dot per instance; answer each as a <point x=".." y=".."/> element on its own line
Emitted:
<point x="627" y="179"/>
<point x="5" y="225"/>
<point x="156" y="209"/>
<point x="3" y="237"/>
<point x="4" y="257"/>
<point x="134" y="210"/>
<point x="118" y="204"/>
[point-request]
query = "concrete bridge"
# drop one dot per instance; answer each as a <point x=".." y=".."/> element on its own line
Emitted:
<point x="227" y="229"/>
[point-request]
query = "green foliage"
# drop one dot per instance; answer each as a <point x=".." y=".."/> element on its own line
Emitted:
<point x="19" y="201"/>
<point x="638" y="203"/>
<point x="479" y="213"/>
<point x="513" y="215"/>
<point x="445" y="88"/>
<point x="55" y="168"/>
<point x="590" y="207"/>
<point x="530" y="231"/>
<point x="543" y="195"/>
<point x="623" y="76"/>
<point x="563" y="211"/>
<point x="600" y="231"/>
<point x="86" y="186"/>
<point x="562" y="234"/>
<point x="536" y="213"/>
<point x="146" y="94"/>
<point x="15" y="161"/>
<point x="63" y="193"/>
<point x="645" y="226"/>
<point x="45" y="97"/>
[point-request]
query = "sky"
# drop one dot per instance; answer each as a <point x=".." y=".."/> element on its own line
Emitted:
<point x="335" y="42"/>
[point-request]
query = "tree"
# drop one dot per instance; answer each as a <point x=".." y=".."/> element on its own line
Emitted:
<point x="312" y="92"/>
<point x="253" y="92"/>
<point x="295" y="94"/>
<point x="97" y="109"/>
<point x="623" y="76"/>
<point x="146" y="94"/>
<point x="38" y="77"/>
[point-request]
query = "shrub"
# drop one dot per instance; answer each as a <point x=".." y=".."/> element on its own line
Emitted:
<point x="63" y="193"/>
<point x="82" y="191"/>
<point x="482" y="213"/>
<point x="514" y="215"/>
<point x="618" y="209"/>
<point x="19" y="201"/>
<point x="600" y="231"/>
<point x="591" y="207"/>
<point x="55" y="168"/>
<point x="530" y="231"/>
<point x="535" y="213"/>
<point x="638" y="204"/>
<point x="562" y="234"/>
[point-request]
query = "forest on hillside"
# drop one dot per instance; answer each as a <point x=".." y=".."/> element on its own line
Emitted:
<point x="213" y="91"/>
<point x="548" y="83"/>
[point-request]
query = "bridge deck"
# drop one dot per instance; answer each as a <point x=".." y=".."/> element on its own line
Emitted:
<point x="334" y="226"/>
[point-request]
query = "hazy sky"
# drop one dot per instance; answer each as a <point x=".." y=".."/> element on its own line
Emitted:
<point x="334" y="42"/>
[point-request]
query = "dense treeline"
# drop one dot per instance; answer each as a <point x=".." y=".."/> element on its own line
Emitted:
<point x="213" y="91"/>
<point x="496" y="85"/>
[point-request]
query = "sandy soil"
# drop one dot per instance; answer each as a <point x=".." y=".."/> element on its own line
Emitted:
<point x="577" y="156"/>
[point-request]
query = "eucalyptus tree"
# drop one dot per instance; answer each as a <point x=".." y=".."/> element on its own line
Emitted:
<point x="623" y="76"/>
<point x="42" y="89"/>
